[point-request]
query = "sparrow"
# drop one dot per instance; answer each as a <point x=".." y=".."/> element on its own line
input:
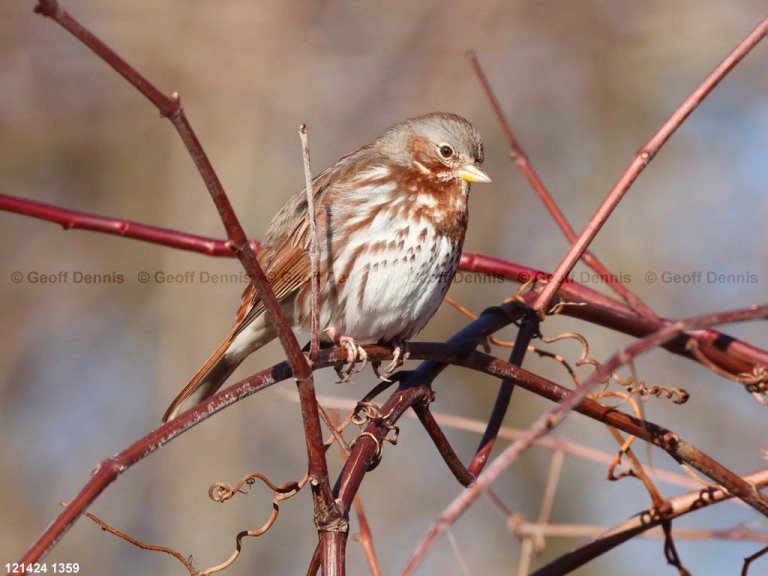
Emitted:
<point x="391" y="219"/>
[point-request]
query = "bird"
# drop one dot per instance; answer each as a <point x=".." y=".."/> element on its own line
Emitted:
<point x="391" y="219"/>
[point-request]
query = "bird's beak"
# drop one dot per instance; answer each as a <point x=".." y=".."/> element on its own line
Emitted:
<point x="472" y="173"/>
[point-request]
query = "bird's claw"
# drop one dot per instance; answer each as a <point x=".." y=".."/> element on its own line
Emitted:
<point x="399" y="355"/>
<point x="355" y="354"/>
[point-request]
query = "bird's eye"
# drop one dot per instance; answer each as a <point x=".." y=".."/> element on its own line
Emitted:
<point x="446" y="151"/>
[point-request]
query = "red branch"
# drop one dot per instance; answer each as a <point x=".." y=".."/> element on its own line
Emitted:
<point x="327" y="517"/>
<point x="643" y="157"/>
<point x="415" y="389"/>
<point x="458" y="351"/>
<point x="720" y="348"/>
<point x="642" y="522"/>
<point x="665" y="439"/>
<point x="530" y="324"/>
<point x="76" y="220"/>
<point x="520" y="158"/>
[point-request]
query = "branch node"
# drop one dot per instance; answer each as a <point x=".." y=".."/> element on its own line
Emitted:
<point x="48" y="8"/>
<point x="669" y="441"/>
<point x="171" y="108"/>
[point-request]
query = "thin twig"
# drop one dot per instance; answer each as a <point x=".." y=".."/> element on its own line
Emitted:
<point x="170" y="107"/>
<point x="641" y="160"/>
<point x="520" y="158"/>
<point x="314" y="253"/>
<point x="548" y="442"/>
<point x="364" y="450"/>
<point x="459" y="471"/>
<point x="749" y="559"/>
<point x="542" y="303"/>
<point x="528" y="329"/>
<point x="641" y="522"/>
<point x="456" y="549"/>
<point x="555" y="530"/>
<point x="365" y="538"/>
<point x="327" y="514"/>
<point x="551" y="419"/>
<point x="139" y="543"/>
<point x="76" y="220"/>
<point x="600" y="310"/>
<point x="531" y="544"/>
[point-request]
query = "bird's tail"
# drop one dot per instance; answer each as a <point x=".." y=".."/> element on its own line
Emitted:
<point x="204" y="384"/>
<point x="227" y="357"/>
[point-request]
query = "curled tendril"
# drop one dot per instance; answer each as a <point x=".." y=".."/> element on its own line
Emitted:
<point x="639" y="388"/>
<point x="676" y="395"/>
<point x="372" y="413"/>
<point x="631" y="384"/>
<point x="755" y="383"/>
<point x="583" y="360"/>
<point x="558" y="307"/>
<point x="221" y="491"/>
<point x="518" y="295"/>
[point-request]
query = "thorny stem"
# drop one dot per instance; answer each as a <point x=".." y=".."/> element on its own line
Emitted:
<point x="643" y="158"/>
<point x="363" y="452"/>
<point x="641" y="522"/>
<point x="666" y="440"/>
<point x="727" y="353"/>
<point x="326" y="512"/>
<point x="520" y="158"/>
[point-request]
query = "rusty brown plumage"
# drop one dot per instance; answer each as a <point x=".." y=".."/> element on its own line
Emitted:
<point x="391" y="219"/>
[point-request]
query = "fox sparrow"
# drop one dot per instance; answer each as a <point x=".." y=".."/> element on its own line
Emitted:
<point x="391" y="219"/>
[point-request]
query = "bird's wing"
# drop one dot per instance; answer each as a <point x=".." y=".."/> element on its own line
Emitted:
<point x="285" y="260"/>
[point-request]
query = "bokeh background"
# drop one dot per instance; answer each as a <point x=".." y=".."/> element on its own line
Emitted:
<point x="86" y="369"/>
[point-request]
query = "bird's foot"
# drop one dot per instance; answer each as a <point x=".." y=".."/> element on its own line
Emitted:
<point x="355" y="354"/>
<point x="400" y="354"/>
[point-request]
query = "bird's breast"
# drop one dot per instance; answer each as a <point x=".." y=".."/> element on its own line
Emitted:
<point x="388" y="282"/>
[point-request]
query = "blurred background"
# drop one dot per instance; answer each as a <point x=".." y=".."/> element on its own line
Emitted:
<point x="86" y="369"/>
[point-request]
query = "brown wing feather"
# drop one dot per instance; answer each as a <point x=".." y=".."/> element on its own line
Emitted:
<point x="288" y="270"/>
<point x="286" y="264"/>
<point x="287" y="267"/>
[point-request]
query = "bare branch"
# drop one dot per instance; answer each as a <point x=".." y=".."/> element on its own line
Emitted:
<point x="643" y="157"/>
<point x="551" y="419"/>
<point x="314" y="254"/>
<point x="641" y="522"/>
<point x="76" y="220"/>
<point x="520" y="158"/>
